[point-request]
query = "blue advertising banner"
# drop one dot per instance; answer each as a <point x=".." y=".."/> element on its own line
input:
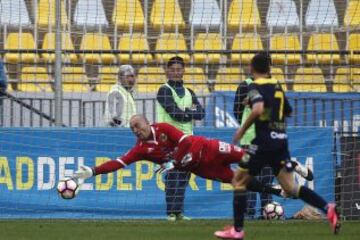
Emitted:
<point x="339" y="110"/>
<point x="33" y="160"/>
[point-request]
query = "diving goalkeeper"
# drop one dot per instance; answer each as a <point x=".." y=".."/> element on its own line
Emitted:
<point x="161" y="142"/>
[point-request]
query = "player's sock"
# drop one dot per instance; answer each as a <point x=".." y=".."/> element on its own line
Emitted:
<point x="312" y="198"/>
<point x="256" y="186"/>
<point x="239" y="205"/>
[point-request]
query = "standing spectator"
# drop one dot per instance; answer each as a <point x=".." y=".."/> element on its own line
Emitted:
<point x="177" y="106"/>
<point x="241" y="112"/>
<point x="120" y="104"/>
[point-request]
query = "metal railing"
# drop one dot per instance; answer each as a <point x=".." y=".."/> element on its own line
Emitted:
<point x="24" y="111"/>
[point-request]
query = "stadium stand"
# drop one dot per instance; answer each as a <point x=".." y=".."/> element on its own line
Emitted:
<point x="67" y="44"/>
<point x="309" y="80"/>
<point x="107" y="77"/>
<point x="315" y="17"/>
<point x="24" y="41"/>
<point x="34" y="79"/>
<point x="90" y="14"/>
<point x="195" y="79"/>
<point x="150" y="79"/>
<point x="243" y="14"/>
<point x="245" y="41"/>
<point x="46" y="13"/>
<point x="128" y="14"/>
<point x="204" y="42"/>
<point x="354" y="45"/>
<point x="282" y="14"/>
<point x="75" y="80"/>
<point x="342" y="82"/>
<point x="96" y="41"/>
<point x="134" y="42"/>
<point x="14" y="13"/>
<point x="164" y="19"/>
<point x="323" y="42"/>
<point x="228" y="79"/>
<point x="205" y="14"/>
<point x="171" y="41"/>
<point x="352" y="14"/>
<point x="285" y="42"/>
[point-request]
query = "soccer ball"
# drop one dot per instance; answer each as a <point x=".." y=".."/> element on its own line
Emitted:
<point x="273" y="210"/>
<point x="68" y="188"/>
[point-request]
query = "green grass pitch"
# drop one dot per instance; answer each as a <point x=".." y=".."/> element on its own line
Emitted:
<point x="162" y="230"/>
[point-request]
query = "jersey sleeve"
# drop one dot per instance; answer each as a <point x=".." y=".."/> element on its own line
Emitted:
<point x="254" y="94"/>
<point x="172" y="132"/>
<point x="133" y="155"/>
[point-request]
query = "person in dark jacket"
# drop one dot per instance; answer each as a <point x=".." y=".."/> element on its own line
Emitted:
<point x="177" y="106"/>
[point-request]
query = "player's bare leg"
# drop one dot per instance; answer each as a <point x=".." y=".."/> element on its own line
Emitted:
<point x="240" y="181"/>
<point x="286" y="180"/>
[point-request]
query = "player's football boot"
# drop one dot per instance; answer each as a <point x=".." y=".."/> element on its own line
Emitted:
<point x="303" y="171"/>
<point x="230" y="233"/>
<point x="181" y="217"/>
<point x="333" y="217"/>
<point x="171" y="217"/>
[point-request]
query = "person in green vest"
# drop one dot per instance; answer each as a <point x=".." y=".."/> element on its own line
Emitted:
<point x="120" y="105"/>
<point x="266" y="177"/>
<point x="178" y="106"/>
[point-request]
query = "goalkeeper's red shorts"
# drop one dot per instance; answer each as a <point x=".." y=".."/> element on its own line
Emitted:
<point x="215" y="160"/>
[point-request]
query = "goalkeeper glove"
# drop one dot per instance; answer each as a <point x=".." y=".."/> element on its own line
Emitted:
<point x="165" y="167"/>
<point x="84" y="172"/>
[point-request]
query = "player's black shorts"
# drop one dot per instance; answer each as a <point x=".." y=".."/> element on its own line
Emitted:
<point x="257" y="159"/>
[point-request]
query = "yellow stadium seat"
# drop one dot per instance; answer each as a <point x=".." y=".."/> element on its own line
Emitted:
<point x="96" y="41"/>
<point x="228" y="79"/>
<point x="204" y="42"/>
<point x="46" y="13"/>
<point x="352" y="14"/>
<point x="34" y="79"/>
<point x="108" y="76"/>
<point x="355" y="79"/>
<point x="67" y="44"/>
<point x="278" y="74"/>
<point x="244" y="14"/>
<point x="166" y="14"/>
<point x="354" y="45"/>
<point x="22" y="41"/>
<point x="323" y="42"/>
<point x="171" y="41"/>
<point x="282" y="43"/>
<point x="150" y="79"/>
<point x="128" y="14"/>
<point x="74" y="80"/>
<point x="195" y="79"/>
<point x="342" y="80"/>
<point x="309" y="80"/>
<point x="248" y="41"/>
<point x="133" y="42"/>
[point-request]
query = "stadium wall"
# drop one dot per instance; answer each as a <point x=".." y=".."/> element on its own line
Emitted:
<point x="33" y="160"/>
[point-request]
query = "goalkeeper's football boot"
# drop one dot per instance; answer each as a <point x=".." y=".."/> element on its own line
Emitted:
<point x="303" y="171"/>
<point x="334" y="218"/>
<point x="229" y="232"/>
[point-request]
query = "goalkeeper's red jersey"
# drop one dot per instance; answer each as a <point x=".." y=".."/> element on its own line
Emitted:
<point x="208" y="158"/>
<point x="159" y="148"/>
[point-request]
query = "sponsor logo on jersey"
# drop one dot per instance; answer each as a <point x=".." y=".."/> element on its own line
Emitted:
<point x="275" y="135"/>
<point x="163" y="137"/>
